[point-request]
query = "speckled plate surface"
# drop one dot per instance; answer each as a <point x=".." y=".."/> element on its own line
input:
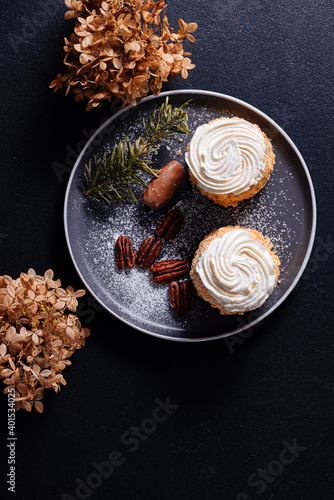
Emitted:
<point x="284" y="211"/>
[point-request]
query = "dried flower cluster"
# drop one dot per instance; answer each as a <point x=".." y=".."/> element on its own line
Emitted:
<point x="122" y="49"/>
<point x="36" y="336"/>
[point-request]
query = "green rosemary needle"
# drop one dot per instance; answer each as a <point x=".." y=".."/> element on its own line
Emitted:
<point x="112" y="177"/>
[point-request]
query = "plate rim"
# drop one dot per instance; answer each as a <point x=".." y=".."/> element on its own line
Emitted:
<point x="287" y="138"/>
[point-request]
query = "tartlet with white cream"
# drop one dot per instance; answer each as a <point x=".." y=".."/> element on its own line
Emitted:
<point x="235" y="269"/>
<point x="229" y="160"/>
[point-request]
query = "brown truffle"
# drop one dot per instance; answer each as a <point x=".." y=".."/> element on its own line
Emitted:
<point x="164" y="187"/>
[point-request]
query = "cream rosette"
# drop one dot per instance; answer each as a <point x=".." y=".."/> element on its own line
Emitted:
<point x="238" y="271"/>
<point x="227" y="155"/>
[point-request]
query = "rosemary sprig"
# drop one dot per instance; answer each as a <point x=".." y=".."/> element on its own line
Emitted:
<point x="112" y="177"/>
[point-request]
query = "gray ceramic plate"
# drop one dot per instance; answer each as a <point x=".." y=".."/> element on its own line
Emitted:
<point x="284" y="211"/>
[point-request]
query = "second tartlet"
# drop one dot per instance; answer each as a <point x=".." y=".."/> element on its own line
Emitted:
<point x="235" y="269"/>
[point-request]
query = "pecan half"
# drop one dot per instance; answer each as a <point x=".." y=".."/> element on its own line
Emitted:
<point x="124" y="253"/>
<point x="180" y="297"/>
<point x="148" y="252"/>
<point x="169" y="225"/>
<point x="166" y="271"/>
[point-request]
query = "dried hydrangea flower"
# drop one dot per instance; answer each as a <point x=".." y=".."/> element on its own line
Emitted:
<point x="37" y="336"/>
<point x="122" y="49"/>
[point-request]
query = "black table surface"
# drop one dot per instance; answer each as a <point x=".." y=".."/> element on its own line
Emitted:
<point x="141" y="417"/>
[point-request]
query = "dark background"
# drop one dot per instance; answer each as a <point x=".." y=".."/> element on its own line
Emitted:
<point x="240" y="404"/>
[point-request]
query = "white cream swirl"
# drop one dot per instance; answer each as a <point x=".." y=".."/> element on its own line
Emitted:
<point x="227" y="155"/>
<point x="237" y="270"/>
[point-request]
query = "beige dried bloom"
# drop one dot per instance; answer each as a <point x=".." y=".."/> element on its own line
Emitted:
<point x="122" y="49"/>
<point x="36" y="335"/>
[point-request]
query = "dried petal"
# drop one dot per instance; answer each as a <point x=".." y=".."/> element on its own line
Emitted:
<point x="39" y="406"/>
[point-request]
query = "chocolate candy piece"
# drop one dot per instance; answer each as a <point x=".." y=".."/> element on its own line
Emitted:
<point x="161" y="189"/>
